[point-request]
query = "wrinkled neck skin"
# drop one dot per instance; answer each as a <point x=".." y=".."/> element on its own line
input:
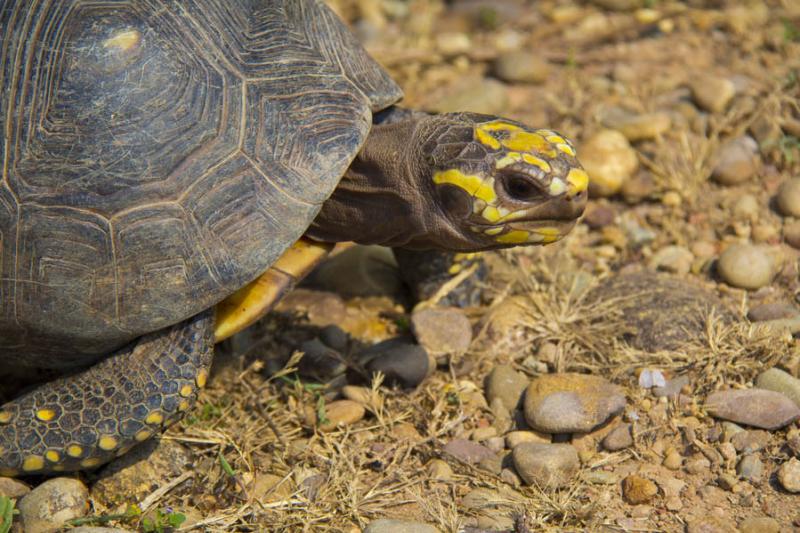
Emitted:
<point x="386" y="196"/>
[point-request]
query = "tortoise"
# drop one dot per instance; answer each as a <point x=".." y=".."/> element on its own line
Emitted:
<point x="169" y="169"/>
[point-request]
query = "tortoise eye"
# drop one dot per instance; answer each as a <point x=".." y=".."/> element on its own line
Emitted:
<point x="521" y="188"/>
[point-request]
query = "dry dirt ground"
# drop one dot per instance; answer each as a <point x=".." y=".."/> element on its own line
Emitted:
<point x="251" y="457"/>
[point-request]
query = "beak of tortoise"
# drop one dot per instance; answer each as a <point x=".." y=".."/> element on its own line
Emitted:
<point x="244" y="307"/>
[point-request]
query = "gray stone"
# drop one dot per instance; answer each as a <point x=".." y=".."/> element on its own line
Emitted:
<point x="779" y="381"/>
<point x="522" y="66"/>
<point x="759" y="524"/>
<point x="478" y="95"/>
<point x="507" y="385"/>
<point x="753" y="407"/>
<point x="746" y="266"/>
<point x="389" y="525"/>
<point x="442" y="330"/>
<point x="467" y="451"/>
<point x="712" y="93"/>
<point x="400" y="360"/>
<point x="320" y="361"/>
<point x="618" y="438"/>
<point x="47" y="507"/>
<point x="334" y="337"/>
<point x="788" y="198"/>
<point x="750" y="468"/>
<point x="13" y="488"/>
<point x="772" y="311"/>
<point x="546" y="465"/>
<point x="750" y="441"/>
<point x="789" y="475"/>
<point x="737" y="161"/>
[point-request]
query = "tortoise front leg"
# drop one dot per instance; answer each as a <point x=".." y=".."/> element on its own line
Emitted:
<point x="84" y="420"/>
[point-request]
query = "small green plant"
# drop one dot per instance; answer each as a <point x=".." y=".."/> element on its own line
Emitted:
<point x="791" y="32"/>
<point x="789" y="146"/>
<point x="7" y="512"/>
<point x="163" y="521"/>
<point x="226" y="466"/>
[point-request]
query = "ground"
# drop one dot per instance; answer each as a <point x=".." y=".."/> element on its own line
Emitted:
<point x="671" y="192"/>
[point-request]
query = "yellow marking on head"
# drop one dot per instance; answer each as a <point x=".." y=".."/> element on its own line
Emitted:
<point x="5" y="417"/>
<point x="515" y="236"/>
<point x="494" y="231"/>
<point x="73" y="450"/>
<point x="186" y="390"/>
<point x="45" y="415"/>
<point x="155" y="417"/>
<point x="507" y="160"/>
<point x="533" y="160"/>
<point x="124" y="40"/>
<point x="454" y="269"/>
<point x="483" y="132"/>
<point x="487" y="138"/>
<point x="91" y="462"/>
<point x="555" y="138"/>
<point x="524" y="141"/>
<point x="202" y="378"/>
<point x="548" y="234"/>
<point x="52" y="456"/>
<point x="491" y="214"/>
<point x="557" y="187"/>
<point x="578" y="180"/>
<point x="108" y="443"/>
<point x="32" y="463"/>
<point x="9" y="472"/>
<point x="546" y="133"/>
<point x="472" y="184"/>
<point x="567" y="149"/>
<point x="143" y="435"/>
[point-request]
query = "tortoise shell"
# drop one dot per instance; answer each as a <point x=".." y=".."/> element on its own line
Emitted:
<point x="158" y="155"/>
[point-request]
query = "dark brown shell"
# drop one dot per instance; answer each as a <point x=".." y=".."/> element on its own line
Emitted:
<point x="158" y="155"/>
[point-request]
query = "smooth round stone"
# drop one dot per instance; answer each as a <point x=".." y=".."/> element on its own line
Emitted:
<point x="673" y="258"/>
<point x="320" y="361"/>
<point x="453" y="42"/>
<point x="47" y="507"/>
<point x="638" y="127"/>
<point x="746" y="207"/>
<point x="522" y="66"/>
<point x="442" y="330"/>
<point x="789" y="475"/>
<point x="746" y="266"/>
<point x="750" y="441"/>
<point x="467" y="451"/>
<point x="791" y="234"/>
<point x="439" y="470"/>
<point x="673" y="460"/>
<point x="341" y="413"/>
<point x="753" y="407"/>
<point x="515" y="438"/>
<point x="787" y="198"/>
<point x="13" y="488"/>
<point x="737" y="161"/>
<point x="571" y="403"/>
<point x="334" y="337"/>
<point x="772" y="311"/>
<point x="389" y="525"/>
<point x="640" y="186"/>
<point x="619" y="438"/>
<point x="750" y="468"/>
<point x="777" y="380"/>
<point x="712" y="93"/>
<point x="476" y="95"/>
<point x="759" y="524"/>
<point x="610" y="161"/>
<point x="401" y="361"/>
<point x="546" y="465"/>
<point x="637" y="490"/>
<point x="507" y="385"/>
<point x="598" y="216"/>
<point x="620" y="5"/>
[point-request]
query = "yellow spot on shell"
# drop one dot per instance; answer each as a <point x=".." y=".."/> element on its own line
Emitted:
<point x="32" y="463"/>
<point x="472" y="184"/>
<point x="515" y="236"/>
<point x="91" y="462"/>
<point x="567" y="149"/>
<point x="5" y="417"/>
<point x="73" y="450"/>
<point x="52" y="456"/>
<point x="124" y="40"/>
<point x="156" y="417"/>
<point x="143" y="435"/>
<point x="108" y="443"/>
<point x="183" y="406"/>
<point x="557" y="187"/>
<point x="45" y="415"/>
<point x="578" y="180"/>
<point x="57" y="468"/>
<point x="494" y="231"/>
<point x="454" y="269"/>
<point x="9" y="472"/>
<point x="186" y="391"/>
<point x="202" y="378"/>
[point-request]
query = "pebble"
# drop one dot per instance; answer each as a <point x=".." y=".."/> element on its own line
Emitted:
<point x="637" y="127"/>
<point x="749" y="441"/>
<point x="727" y="482"/>
<point x="47" y="507"/>
<point x="467" y="451"/>
<point x="638" y="187"/>
<point x="442" y="330"/>
<point x="341" y="413"/>
<point x="320" y="361"/>
<point x="507" y="385"/>
<point x="13" y="488"/>
<point x="737" y="161"/>
<point x="788" y="198"/>
<point x="753" y="407"/>
<point x="522" y="66"/>
<point x="619" y="438"/>
<point x="637" y="490"/>
<point x="789" y="475"/>
<point x="698" y="465"/>
<point x="476" y="95"/>
<point x="481" y="434"/>
<point x="759" y="524"/>
<point x="452" y="42"/>
<point x="400" y="360"/>
<point x="439" y="470"/>
<point x="546" y="465"/>
<point x="362" y="395"/>
<point x="390" y="525"/>
<point x="598" y="216"/>
<point x="515" y="438"/>
<point x="791" y="234"/>
<point x="750" y="468"/>
<point x="746" y="208"/>
<point x="782" y="382"/>
<point x="571" y="403"/>
<point x="712" y="93"/>
<point x="675" y="259"/>
<point x="334" y="337"/>
<point x="746" y="266"/>
<point x="772" y="311"/>
<point x="708" y="523"/>
<point x="673" y="460"/>
<point x="609" y="159"/>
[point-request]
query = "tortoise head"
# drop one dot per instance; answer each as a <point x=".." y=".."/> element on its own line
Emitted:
<point x="499" y="184"/>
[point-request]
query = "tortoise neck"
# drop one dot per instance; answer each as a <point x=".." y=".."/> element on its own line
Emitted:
<point x="380" y="199"/>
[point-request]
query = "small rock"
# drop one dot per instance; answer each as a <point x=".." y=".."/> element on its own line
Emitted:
<point x="405" y="431"/>
<point x="791" y="234"/>
<point x="546" y="465"/>
<point x="439" y="470"/>
<point x="772" y="311"/>
<point x="515" y="438"/>
<point x="640" y="186"/>
<point x="467" y="451"/>
<point x="452" y="42"/>
<point x="782" y="382"/>
<point x="442" y="330"/>
<point x="750" y="468"/>
<point x="389" y="525"/>
<point x="47" y="507"/>
<point x="759" y="524"/>
<point x="400" y="360"/>
<point x="334" y="337"/>
<point x="609" y="159"/>
<point x="712" y="93"/>
<point x="13" y="488"/>
<point x="673" y="460"/>
<point x="672" y="388"/>
<point x="522" y="67"/>
<point x="746" y="208"/>
<point x="496" y="444"/>
<point x="637" y="127"/>
<point x="749" y="441"/>
<point x="493" y="464"/>
<point x="727" y="482"/>
<point x="481" y="434"/>
<point x="709" y="523"/>
<point x="507" y="385"/>
<point x="341" y="413"/>
<point x="746" y="266"/>
<point x="637" y="490"/>
<point x="619" y="438"/>
<point x="477" y="95"/>
<point x="788" y="198"/>
<point x="737" y="161"/>
<point x="362" y="395"/>
<point x="598" y="216"/>
<point x="753" y="407"/>
<point x="319" y="361"/>
<point x="600" y="477"/>
<point x="675" y="259"/>
<point x="571" y="403"/>
<point x="698" y="465"/>
<point x="789" y="475"/>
